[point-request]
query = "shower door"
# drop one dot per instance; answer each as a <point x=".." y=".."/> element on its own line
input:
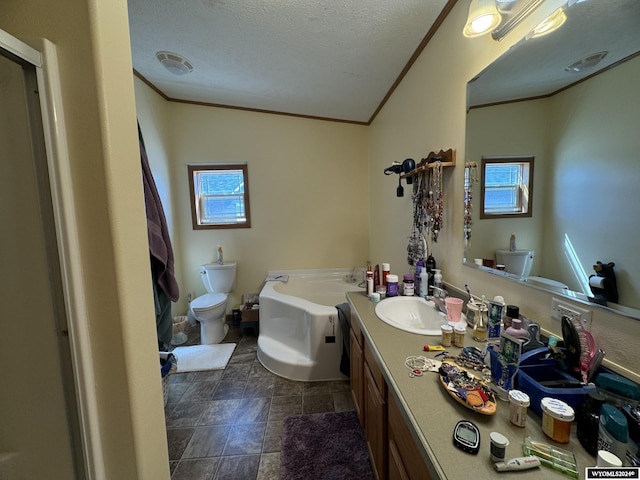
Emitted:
<point x="39" y="426"/>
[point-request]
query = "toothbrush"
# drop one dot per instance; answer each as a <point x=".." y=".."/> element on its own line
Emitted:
<point x="469" y="293"/>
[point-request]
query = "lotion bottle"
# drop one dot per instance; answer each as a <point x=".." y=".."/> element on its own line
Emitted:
<point x="424" y="283"/>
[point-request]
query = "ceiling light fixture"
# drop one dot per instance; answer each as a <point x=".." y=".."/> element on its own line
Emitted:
<point x="483" y="17"/>
<point x="585" y="63"/>
<point x="175" y="63"/>
<point x="549" y="24"/>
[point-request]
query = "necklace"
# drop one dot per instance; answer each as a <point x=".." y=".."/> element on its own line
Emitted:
<point x="470" y="177"/>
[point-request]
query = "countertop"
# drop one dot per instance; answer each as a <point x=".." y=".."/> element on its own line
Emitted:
<point x="433" y="414"/>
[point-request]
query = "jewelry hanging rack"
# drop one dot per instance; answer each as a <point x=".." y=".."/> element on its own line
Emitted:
<point x="447" y="158"/>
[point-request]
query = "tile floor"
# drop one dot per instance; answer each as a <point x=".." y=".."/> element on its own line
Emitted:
<point x="227" y="424"/>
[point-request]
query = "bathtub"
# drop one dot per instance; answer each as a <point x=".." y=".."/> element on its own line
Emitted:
<point x="300" y="336"/>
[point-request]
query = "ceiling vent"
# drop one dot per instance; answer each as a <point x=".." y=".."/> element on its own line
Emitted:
<point x="176" y="64"/>
<point x="586" y="63"/>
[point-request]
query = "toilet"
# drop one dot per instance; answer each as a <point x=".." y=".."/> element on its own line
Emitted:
<point x="516" y="262"/>
<point x="210" y="309"/>
<point x="547" y="283"/>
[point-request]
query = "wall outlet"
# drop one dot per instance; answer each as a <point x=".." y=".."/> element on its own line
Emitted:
<point x="560" y="309"/>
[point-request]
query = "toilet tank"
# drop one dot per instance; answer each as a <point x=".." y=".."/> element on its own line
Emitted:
<point x="516" y="262"/>
<point x="218" y="278"/>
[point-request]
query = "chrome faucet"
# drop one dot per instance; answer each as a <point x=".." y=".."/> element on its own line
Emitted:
<point x="438" y="297"/>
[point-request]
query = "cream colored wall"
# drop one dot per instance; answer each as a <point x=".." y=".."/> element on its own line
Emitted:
<point x="595" y="144"/>
<point x="591" y="175"/>
<point x="515" y="129"/>
<point x="427" y="112"/>
<point x="92" y="40"/>
<point x="308" y="184"/>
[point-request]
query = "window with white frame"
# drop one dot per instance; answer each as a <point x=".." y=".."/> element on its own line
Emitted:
<point x="219" y="196"/>
<point x="507" y="185"/>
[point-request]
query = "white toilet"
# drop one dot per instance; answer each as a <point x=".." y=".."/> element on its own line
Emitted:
<point x="516" y="262"/>
<point x="210" y="309"/>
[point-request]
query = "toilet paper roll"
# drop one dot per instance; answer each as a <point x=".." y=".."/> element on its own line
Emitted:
<point x="596" y="281"/>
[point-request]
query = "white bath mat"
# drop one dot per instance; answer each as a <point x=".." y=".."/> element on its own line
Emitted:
<point x="195" y="358"/>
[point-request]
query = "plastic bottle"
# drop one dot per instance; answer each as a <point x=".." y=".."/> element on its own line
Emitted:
<point x="512" y="243"/>
<point x="431" y="266"/>
<point x="424" y="283"/>
<point x="513" y="311"/>
<point x="613" y="433"/>
<point x="588" y="420"/>
<point x="437" y="278"/>
<point x="516" y="330"/>
<point x="386" y="269"/>
<point x="369" y="283"/>
<point x="419" y="267"/>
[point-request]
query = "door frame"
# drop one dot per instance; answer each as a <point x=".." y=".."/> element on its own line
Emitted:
<point x="41" y="53"/>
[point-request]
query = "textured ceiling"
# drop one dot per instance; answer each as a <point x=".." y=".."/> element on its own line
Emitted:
<point x="333" y="59"/>
<point x="536" y="67"/>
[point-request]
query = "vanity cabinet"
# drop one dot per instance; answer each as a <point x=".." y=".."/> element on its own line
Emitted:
<point x="356" y="355"/>
<point x="369" y="393"/>
<point x="375" y="413"/>
<point x="392" y="449"/>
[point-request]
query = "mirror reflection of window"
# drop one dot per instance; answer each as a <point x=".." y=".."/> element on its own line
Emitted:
<point x="506" y="187"/>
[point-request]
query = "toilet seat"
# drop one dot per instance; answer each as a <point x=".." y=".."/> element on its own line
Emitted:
<point x="208" y="301"/>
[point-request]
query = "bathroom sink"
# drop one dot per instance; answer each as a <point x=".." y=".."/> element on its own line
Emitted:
<point x="411" y="314"/>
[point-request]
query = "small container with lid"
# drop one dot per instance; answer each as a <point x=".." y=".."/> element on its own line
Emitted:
<point x="518" y="404"/>
<point x="408" y="285"/>
<point x="392" y="285"/>
<point x="459" y="332"/>
<point x="498" y="447"/>
<point x="447" y="335"/>
<point x="556" y="419"/>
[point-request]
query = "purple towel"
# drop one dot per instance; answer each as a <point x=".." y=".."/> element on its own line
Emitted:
<point x="158" y="233"/>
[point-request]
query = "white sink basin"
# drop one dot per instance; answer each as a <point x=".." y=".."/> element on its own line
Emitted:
<point x="411" y="314"/>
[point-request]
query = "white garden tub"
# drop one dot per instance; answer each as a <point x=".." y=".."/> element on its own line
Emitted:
<point x="300" y="336"/>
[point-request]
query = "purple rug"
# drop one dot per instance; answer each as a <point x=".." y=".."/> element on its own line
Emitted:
<point x="324" y="446"/>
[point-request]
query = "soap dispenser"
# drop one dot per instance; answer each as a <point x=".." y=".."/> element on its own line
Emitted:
<point x="437" y="278"/>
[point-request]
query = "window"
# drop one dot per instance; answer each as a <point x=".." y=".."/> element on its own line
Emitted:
<point x="219" y="196"/>
<point x="507" y="184"/>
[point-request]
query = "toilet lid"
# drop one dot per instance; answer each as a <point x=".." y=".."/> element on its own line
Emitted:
<point x="208" y="300"/>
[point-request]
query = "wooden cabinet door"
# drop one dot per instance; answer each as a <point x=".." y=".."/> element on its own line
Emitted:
<point x="375" y="429"/>
<point x="356" y="359"/>
<point x="396" y="466"/>
<point x="405" y="461"/>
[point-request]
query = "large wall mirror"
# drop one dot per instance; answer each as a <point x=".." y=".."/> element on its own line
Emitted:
<point x="571" y="100"/>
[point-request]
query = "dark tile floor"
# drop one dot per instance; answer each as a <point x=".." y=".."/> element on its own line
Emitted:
<point x="227" y="424"/>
